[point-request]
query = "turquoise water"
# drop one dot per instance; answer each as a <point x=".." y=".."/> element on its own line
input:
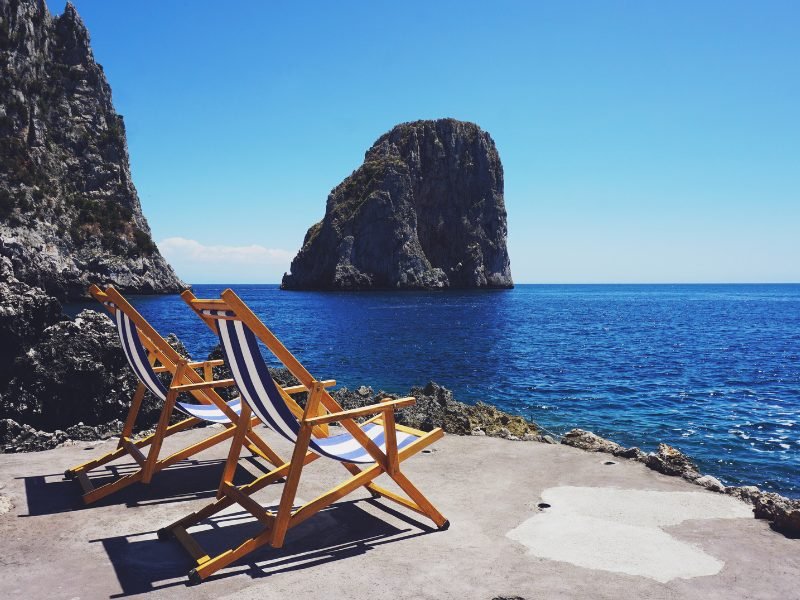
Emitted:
<point x="711" y="369"/>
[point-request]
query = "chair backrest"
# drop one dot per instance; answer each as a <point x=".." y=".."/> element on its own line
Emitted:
<point x="136" y="354"/>
<point x="252" y="375"/>
<point x="239" y="331"/>
<point x="143" y="346"/>
<point x="135" y="342"/>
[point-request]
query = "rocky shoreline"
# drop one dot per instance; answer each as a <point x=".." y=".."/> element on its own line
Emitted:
<point x="91" y="354"/>
<point x="783" y="513"/>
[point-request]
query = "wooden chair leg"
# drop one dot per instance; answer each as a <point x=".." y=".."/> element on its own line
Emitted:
<point x="290" y="488"/>
<point x="260" y="447"/>
<point x="421" y="501"/>
<point x="158" y="438"/>
<point x="235" y="449"/>
<point x="114" y="486"/>
<point x="136" y="403"/>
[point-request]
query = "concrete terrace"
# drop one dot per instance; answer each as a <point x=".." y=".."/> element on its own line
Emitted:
<point x="611" y="531"/>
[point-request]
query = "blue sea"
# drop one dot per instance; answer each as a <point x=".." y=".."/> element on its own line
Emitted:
<point x="711" y="369"/>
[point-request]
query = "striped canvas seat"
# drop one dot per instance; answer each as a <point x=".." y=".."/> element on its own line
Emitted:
<point x="137" y="358"/>
<point x="261" y="393"/>
<point x="152" y="358"/>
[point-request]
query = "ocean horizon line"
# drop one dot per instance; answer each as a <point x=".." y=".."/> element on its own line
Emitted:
<point x="571" y="283"/>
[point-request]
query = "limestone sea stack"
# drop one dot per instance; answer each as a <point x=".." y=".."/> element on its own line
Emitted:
<point x="424" y="211"/>
<point x="69" y="212"/>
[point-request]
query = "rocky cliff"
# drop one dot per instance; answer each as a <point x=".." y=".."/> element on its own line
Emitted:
<point x="424" y="211"/>
<point x="69" y="212"/>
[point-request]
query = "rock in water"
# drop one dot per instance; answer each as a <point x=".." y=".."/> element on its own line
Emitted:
<point x="424" y="211"/>
<point x="69" y="213"/>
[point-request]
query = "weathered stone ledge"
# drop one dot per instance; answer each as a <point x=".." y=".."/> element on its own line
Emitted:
<point x="74" y="385"/>
<point x="782" y="512"/>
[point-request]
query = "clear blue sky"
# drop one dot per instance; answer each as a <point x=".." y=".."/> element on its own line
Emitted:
<point x="642" y="141"/>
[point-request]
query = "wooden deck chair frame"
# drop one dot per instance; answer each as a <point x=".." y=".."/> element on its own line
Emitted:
<point x="321" y="409"/>
<point x="185" y="378"/>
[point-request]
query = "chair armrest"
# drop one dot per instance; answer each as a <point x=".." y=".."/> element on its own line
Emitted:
<point x="206" y="363"/>
<point x="297" y="389"/>
<point x="188" y="387"/>
<point x="360" y="412"/>
<point x="193" y="365"/>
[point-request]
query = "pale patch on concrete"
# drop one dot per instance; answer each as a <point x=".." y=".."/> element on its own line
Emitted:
<point x="621" y="530"/>
<point x="5" y="504"/>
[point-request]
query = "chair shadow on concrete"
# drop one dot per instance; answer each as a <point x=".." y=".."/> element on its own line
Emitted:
<point x="143" y="563"/>
<point x="186" y="480"/>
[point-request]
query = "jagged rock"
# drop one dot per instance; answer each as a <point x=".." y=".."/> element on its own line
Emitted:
<point x="711" y="483"/>
<point x="435" y="407"/>
<point x="424" y="211"/>
<point x="77" y="372"/>
<point x="746" y="493"/>
<point x="97" y="432"/>
<point x="783" y="512"/>
<point x="25" y="312"/>
<point x="284" y="377"/>
<point x="16" y="437"/>
<point x="671" y="461"/>
<point x="586" y="440"/>
<point x="492" y="421"/>
<point x="634" y="453"/>
<point x="349" y="399"/>
<point x="69" y="212"/>
<point x="177" y="345"/>
<point x="548" y="439"/>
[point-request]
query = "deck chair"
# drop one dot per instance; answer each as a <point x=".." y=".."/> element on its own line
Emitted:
<point x="149" y="354"/>
<point x="379" y="444"/>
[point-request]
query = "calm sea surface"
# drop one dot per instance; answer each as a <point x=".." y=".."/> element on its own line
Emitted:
<point x="711" y="369"/>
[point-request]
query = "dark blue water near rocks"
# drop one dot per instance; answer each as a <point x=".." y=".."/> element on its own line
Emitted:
<point x="711" y="369"/>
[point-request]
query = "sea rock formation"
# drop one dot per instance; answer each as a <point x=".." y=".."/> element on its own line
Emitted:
<point x="69" y="212"/>
<point x="424" y="211"/>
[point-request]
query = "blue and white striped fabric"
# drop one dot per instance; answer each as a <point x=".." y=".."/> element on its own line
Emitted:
<point x="209" y="412"/>
<point x="261" y="393"/>
<point x="137" y="358"/>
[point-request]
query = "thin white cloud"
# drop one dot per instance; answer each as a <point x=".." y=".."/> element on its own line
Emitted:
<point x="199" y="263"/>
